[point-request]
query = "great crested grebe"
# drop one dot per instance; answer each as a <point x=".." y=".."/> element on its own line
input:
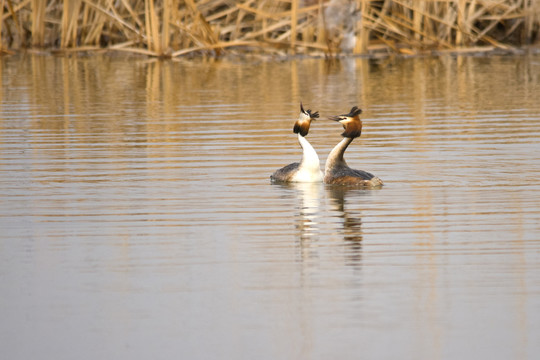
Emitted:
<point x="336" y="170"/>
<point x="307" y="170"/>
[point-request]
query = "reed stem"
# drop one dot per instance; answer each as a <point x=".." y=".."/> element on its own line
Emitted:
<point x="165" y="27"/>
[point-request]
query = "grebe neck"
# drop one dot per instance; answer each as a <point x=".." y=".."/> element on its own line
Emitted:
<point x="335" y="158"/>
<point x="310" y="160"/>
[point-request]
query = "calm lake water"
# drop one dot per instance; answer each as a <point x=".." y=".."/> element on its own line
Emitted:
<point x="138" y="220"/>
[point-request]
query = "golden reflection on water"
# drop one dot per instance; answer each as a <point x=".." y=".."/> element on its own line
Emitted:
<point x="142" y="187"/>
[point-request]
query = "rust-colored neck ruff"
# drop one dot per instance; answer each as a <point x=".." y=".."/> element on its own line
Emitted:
<point x="353" y="128"/>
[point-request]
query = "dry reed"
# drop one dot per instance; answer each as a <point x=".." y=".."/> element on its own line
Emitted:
<point x="166" y="28"/>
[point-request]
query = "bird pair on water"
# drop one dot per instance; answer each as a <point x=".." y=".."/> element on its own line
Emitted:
<point x="336" y="170"/>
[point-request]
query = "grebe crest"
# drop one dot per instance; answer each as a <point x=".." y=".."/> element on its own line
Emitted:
<point x="308" y="169"/>
<point x="336" y="170"/>
<point x="301" y="126"/>
<point x="351" y="122"/>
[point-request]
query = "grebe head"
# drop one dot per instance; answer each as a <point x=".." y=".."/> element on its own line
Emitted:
<point x="351" y="122"/>
<point x="304" y="121"/>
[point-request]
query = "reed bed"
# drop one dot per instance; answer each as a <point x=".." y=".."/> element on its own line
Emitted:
<point x="173" y="28"/>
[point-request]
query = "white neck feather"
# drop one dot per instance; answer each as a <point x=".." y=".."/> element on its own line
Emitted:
<point x="310" y="159"/>
<point x="309" y="170"/>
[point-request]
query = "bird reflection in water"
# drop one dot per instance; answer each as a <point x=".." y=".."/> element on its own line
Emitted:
<point x="317" y="205"/>
<point x="309" y="207"/>
<point x="351" y="225"/>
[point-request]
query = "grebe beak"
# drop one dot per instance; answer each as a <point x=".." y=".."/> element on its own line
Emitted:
<point x="338" y="118"/>
<point x="355" y="111"/>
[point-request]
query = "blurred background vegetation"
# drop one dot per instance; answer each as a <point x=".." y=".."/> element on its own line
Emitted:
<point x="172" y="28"/>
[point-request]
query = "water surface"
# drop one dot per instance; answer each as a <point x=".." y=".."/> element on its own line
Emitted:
<point x="138" y="220"/>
